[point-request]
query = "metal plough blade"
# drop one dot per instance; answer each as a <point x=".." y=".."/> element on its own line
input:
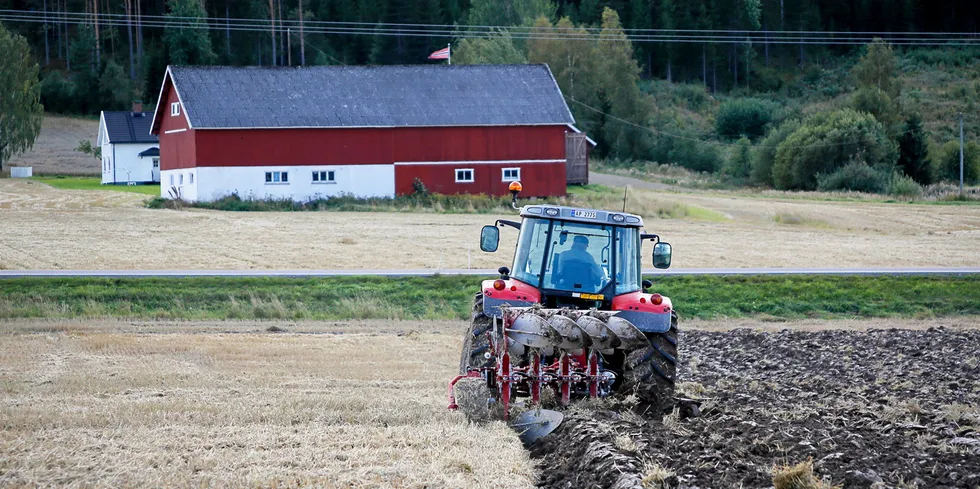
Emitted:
<point x="532" y="330"/>
<point x="536" y="424"/>
<point x="602" y="337"/>
<point x="631" y="337"/>
<point x="572" y="335"/>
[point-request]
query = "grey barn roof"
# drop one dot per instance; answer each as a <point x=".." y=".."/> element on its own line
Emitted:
<point x="127" y="127"/>
<point x="370" y="96"/>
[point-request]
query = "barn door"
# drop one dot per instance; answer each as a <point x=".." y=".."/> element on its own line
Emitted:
<point x="576" y="158"/>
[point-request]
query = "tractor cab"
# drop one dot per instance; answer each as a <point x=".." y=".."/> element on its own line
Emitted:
<point x="577" y="258"/>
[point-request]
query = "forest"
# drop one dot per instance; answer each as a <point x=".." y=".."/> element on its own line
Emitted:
<point x="716" y="86"/>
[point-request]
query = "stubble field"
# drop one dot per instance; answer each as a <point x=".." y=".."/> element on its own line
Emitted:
<point x="120" y="404"/>
<point x="46" y="228"/>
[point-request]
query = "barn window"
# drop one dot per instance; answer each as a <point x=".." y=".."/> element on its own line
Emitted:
<point x="276" y="177"/>
<point x="175" y="109"/>
<point x="464" y="175"/>
<point x="171" y="180"/>
<point x="328" y="176"/>
<point x="181" y="177"/>
<point x="511" y="174"/>
<point x="191" y="176"/>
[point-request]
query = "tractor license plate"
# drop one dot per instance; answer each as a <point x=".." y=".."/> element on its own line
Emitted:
<point x="584" y="214"/>
<point x="589" y="297"/>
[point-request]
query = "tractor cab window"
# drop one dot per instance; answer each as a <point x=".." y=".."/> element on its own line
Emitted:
<point x="628" y="261"/>
<point x="531" y="246"/>
<point x="580" y="257"/>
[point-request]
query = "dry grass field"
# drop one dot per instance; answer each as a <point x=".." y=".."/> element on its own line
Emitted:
<point x="109" y="404"/>
<point x="46" y="228"/>
<point x="347" y="404"/>
<point x="54" y="151"/>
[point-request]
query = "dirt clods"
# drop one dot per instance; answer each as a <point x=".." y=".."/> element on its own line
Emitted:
<point x="839" y="408"/>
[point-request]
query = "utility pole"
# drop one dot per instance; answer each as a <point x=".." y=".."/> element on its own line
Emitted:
<point x="961" y="154"/>
<point x="289" y="46"/>
<point x="302" y="41"/>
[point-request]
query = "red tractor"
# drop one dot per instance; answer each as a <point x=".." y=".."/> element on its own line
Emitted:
<point x="573" y="315"/>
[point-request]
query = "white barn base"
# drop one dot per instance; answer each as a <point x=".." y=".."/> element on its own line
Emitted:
<point x="207" y="184"/>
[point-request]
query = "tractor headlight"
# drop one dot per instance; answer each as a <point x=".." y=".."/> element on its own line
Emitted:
<point x="618" y="218"/>
<point x="551" y="211"/>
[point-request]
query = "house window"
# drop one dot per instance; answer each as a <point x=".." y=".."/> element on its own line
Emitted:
<point x="156" y="162"/>
<point x="328" y="176"/>
<point x="276" y="177"/>
<point x="191" y="176"/>
<point x="175" y="109"/>
<point x="511" y="174"/>
<point x="464" y="175"/>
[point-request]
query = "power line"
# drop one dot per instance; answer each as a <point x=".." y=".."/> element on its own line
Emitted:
<point x="525" y="33"/>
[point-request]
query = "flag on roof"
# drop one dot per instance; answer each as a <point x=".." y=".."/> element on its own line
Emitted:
<point x="440" y="54"/>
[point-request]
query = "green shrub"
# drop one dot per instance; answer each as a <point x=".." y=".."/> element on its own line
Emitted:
<point x="856" y="176"/>
<point x="739" y="165"/>
<point x="947" y="163"/>
<point x="57" y="93"/>
<point x="828" y="141"/>
<point x="765" y="153"/>
<point x="744" y="117"/>
<point x="695" y="155"/>
<point x="876" y="102"/>
<point x="904" y="186"/>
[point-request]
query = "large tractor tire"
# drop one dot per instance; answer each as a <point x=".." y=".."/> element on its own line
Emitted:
<point x="476" y="341"/>
<point x="472" y="393"/>
<point x="651" y="372"/>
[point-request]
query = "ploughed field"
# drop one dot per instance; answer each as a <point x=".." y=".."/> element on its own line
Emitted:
<point x="893" y="407"/>
<point x="323" y="404"/>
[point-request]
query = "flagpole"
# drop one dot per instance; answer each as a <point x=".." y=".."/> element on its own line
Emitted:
<point x="449" y="54"/>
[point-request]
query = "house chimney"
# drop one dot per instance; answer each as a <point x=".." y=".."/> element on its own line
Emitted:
<point x="137" y="107"/>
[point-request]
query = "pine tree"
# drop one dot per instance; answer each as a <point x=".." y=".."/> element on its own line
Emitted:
<point x="913" y="150"/>
<point x="188" y="45"/>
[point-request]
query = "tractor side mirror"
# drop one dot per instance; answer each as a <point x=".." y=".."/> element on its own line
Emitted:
<point x="489" y="238"/>
<point x="661" y="255"/>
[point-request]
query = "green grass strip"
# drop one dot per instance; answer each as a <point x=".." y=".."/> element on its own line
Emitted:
<point x="95" y="183"/>
<point x="341" y="298"/>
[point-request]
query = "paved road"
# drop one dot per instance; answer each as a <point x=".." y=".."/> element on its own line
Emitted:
<point x="474" y="272"/>
<point x="621" y="181"/>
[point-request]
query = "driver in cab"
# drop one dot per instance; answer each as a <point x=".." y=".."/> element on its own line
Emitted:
<point x="578" y="267"/>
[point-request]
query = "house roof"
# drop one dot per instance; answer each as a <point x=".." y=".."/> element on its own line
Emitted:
<point x="128" y="127"/>
<point x="154" y="151"/>
<point x="369" y="96"/>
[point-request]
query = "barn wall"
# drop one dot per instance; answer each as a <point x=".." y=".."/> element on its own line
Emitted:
<point x="212" y="183"/>
<point x="540" y="178"/>
<point x="260" y="147"/>
<point x="177" y="143"/>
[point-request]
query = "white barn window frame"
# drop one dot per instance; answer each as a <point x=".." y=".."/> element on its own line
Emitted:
<point x="277" y="178"/>
<point x="324" y="176"/>
<point x="174" y="109"/>
<point x="510" y="174"/>
<point x="465" y="175"/>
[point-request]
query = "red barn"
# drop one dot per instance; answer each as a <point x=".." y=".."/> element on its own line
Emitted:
<point x="310" y="132"/>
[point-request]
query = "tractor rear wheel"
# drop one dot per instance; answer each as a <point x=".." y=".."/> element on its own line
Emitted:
<point x="476" y="341"/>
<point x="651" y="371"/>
<point x="472" y="394"/>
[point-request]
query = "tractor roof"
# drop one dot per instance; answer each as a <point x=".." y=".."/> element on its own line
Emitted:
<point x="579" y="214"/>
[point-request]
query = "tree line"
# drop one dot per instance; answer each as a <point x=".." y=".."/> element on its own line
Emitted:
<point x="134" y="40"/>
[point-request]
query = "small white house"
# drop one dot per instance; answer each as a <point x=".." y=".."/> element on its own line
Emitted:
<point x="130" y="154"/>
